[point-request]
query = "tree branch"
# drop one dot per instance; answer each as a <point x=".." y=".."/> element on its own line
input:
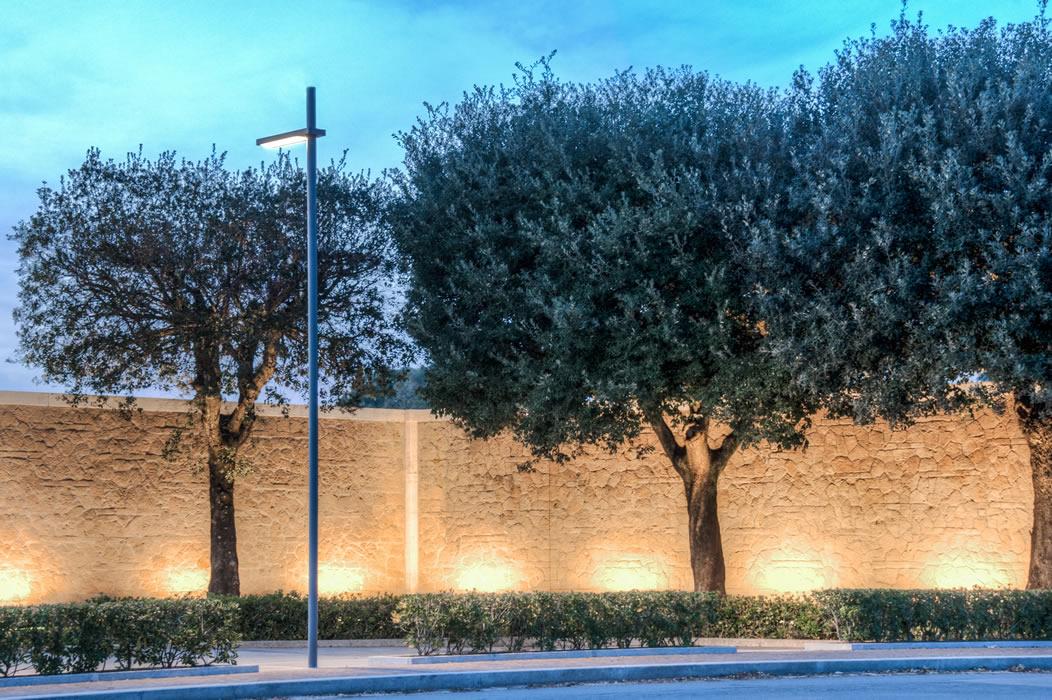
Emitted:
<point x="724" y="452"/>
<point x="673" y="449"/>
<point x="250" y="391"/>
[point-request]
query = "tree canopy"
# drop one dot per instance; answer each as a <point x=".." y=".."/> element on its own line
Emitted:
<point x="175" y="275"/>
<point x="571" y="253"/>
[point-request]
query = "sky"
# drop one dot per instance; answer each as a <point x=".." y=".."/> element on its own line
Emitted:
<point x="191" y="75"/>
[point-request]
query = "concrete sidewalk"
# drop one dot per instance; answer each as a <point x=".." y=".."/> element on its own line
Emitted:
<point x="345" y="670"/>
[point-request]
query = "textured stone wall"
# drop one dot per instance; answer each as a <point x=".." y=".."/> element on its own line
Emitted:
<point x="88" y="506"/>
<point x="946" y="503"/>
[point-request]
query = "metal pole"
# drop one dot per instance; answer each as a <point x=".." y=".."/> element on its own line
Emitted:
<point x="312" y="351"/>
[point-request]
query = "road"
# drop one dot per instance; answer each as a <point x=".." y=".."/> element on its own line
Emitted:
<point x="890" y="686"/>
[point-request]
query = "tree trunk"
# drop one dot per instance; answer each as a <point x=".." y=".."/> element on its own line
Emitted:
<point x="224" y="578"/>
<point x="223" y="436"/>
<point x="1035" y="420"/>
<point x="706" y="545"/>
<point x="700" y="466"/>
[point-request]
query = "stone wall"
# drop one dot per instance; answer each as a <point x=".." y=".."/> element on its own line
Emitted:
<point x="88" y="506"/>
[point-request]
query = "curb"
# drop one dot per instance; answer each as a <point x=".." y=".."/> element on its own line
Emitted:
<point x="532" y="655"/>
<point x="322" y="643"/>
<point x="18" y="681"/>
<point x="1007" y="644"/>
<point x="474" y="680"/>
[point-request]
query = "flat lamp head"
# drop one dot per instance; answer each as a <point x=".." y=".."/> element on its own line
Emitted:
<point x="289" y="138"/>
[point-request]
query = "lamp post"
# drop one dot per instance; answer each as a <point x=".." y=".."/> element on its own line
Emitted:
<point x="309" y="135"/>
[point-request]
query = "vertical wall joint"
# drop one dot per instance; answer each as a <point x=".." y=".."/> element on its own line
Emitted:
<point x="411" y="452"/>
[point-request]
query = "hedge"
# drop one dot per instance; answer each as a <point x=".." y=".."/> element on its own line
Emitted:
<point x="481" y="622"/>
<point x="84" y="637"/>
<point x="143" y="632"/>
<point x="937" y="615"/>
<point x="276" y="616"/>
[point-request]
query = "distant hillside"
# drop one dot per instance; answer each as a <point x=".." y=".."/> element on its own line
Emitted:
<point x="406" y="393"/>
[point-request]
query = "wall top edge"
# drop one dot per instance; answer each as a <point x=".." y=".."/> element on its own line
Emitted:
<point x="390" y="415"/>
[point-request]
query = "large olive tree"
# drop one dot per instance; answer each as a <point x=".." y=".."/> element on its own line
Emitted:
<point x="184" y="276"/>
<point x="573" y="270"/>
<point x="920" y="257"/>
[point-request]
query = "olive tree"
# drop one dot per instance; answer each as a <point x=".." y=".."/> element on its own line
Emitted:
<point x="186" y="277"/>
<point x="574" y="271"/>
<point x="919" y="260"/>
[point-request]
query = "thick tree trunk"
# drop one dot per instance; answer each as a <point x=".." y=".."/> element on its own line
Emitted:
<point x="225" y="579"/>
<point x="1035" y="420"/>
<point x="706" y="545"/>
<point x="699" y="466"/>
<point x="224" y="435"/>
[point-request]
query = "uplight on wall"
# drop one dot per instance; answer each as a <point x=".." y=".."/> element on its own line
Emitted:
<point x="185" y="580"/>
<point x="486" y="577"/>
<point x="793" y="577"/>
<point x="337" y="579"/>
<point x="14" y="585"/>
<point x="795" y="565"/>
<point x="968" y="570"/>
<point x="630" y="573"/>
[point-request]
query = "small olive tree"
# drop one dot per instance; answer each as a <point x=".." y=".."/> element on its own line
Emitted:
<point x="184" y="276"/>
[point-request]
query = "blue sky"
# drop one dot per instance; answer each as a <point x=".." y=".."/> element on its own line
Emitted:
<point x="186" y="75"/>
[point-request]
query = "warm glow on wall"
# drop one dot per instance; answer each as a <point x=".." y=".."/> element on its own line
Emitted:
<point x="184" y="580"/>
<point x="793" y="567"/>
<point x="795" y="578"/>
<point x="629" y="573"/>
<point x="337" y="579"/>
<point x="486" y="577"/>
<point x="14" y="586"/>
<point x="966" y="570"/>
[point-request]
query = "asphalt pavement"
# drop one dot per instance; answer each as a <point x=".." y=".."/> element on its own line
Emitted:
<point x="878" y="686"/>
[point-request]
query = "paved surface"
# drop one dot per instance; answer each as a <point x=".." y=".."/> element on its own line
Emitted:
<point x="892" y="687"/>
<point x="283" y="672"/>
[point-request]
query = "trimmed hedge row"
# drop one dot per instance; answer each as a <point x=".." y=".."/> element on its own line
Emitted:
<point x="280" y="615"/>
<point x="882" y="615"/>
<point x="480" y="622"/>
<point x="83" y="637"/>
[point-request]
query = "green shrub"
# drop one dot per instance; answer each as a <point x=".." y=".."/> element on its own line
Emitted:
<point x="272" y="616"/>
<point x="358" y="617"/>
<point x="284" y="616"/>
<point x="12" y="642"/>
<point x="47" y="637"/>
<point x="767" y="617"/>
<point x="548" y="621"/>
<point x="81" y="637"/>
<point x="937" y="615"/>
<point x="423" y="618"/>
<point x="133" y="631"/>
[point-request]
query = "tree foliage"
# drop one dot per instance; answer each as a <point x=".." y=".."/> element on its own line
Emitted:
<point x="572" y="257"/>
<point x="920" y="253"/>
<point x="179" y="276"/>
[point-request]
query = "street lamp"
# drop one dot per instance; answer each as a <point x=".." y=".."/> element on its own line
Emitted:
<point x="310" y="136"/>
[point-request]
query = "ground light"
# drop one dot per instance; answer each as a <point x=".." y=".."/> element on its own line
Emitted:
<point x="309" y="136"/>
